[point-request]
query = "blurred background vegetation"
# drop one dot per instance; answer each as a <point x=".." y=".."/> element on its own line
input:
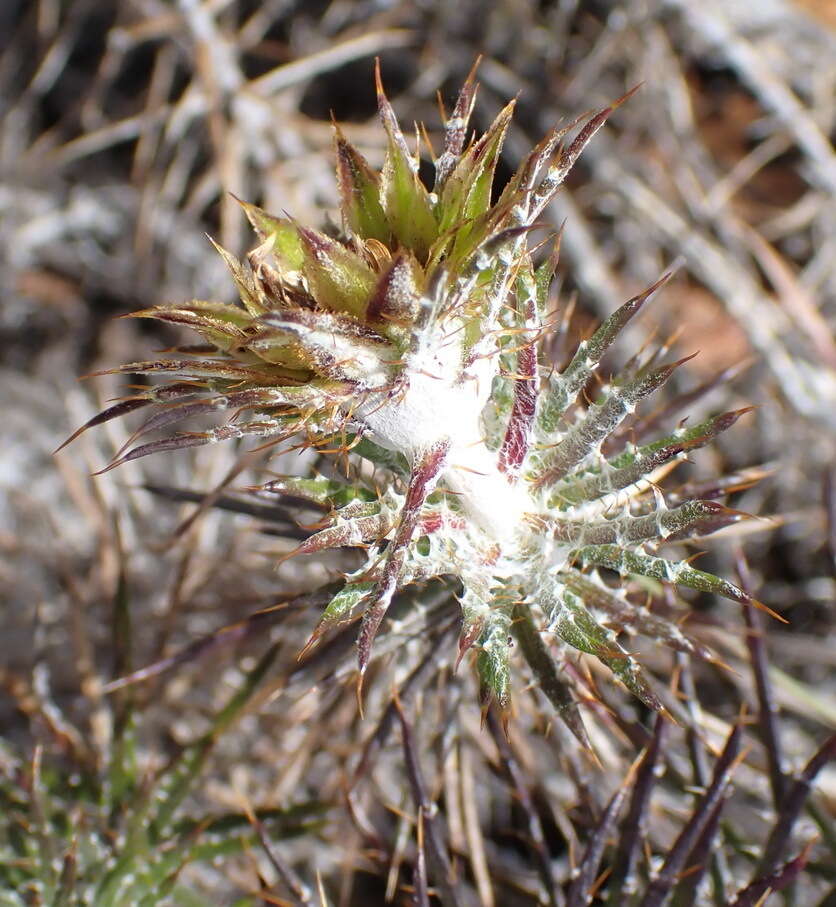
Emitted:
<point x="126" y="127"/>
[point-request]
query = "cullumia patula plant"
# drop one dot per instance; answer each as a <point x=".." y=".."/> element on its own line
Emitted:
<point x="413" y="344"/>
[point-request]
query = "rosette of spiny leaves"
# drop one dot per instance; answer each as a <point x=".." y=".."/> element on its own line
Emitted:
<point x="413" y="341"/>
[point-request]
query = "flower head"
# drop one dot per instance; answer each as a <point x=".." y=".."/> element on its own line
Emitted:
<point x="413" y="341"/>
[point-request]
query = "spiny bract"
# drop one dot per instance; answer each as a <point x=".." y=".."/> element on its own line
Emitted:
<point x="414" y="341"/>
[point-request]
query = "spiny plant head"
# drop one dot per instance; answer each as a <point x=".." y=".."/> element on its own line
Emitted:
<point x="413" y="344"/>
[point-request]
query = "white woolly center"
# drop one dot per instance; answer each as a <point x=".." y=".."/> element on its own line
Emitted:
<point x="438" y="403"/>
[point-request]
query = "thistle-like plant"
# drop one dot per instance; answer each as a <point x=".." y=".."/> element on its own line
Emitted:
<point x="411" y="345"/>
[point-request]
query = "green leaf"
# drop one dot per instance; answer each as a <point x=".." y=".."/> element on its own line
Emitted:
<point x="493" y="663"/>
<point x="220" y="324"/>
<point x="577" y="627"/>
<point x="467" y="191"/>
<point x="564" y="387"/>
<point x="381" y="456"/>
<point x="679" y="573"/>
<point x="599" y="421"/>
<point x="320" y="491"/>
<point x="622" y="614"/>
<point x="543" y="277"/>
<point x="555" y="688"/>
<point x="359" y="193"/>
<point x="338" y="279"/>
<point x="405" y="199"/>
<point x="252" y="296"/>
<point x="345" y="601"/>
<point x="281" y="237"/>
